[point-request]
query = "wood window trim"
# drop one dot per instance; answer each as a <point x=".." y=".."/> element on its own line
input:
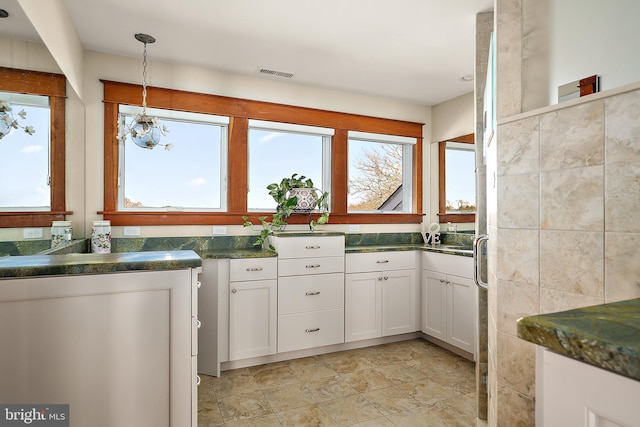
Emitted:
<point x="53" y="86"/>
<point x="443" y="216"/>
<point x="240" y="111"/>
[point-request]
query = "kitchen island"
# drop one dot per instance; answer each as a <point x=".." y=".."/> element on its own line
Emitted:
<point x="114" y="336"/>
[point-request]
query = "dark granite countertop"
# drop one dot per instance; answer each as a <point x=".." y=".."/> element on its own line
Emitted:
<point x="46" y="265"/>
<point x="606" y="335"/>
<point x="446" y="249"/>
<point x="238" y="253"/>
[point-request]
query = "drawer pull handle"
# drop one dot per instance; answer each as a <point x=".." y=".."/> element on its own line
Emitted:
<point x="198" y="380"/>
<point x="312" y="265"/>
<point x="254" y="269"/>
<point x="312" y="330"/>
<point x="312" y="293"/>
<point x="198" y="324"/>
<point x="382" y="261"/>
<point x="199" y="284"/>
<point x="233" y="291"/>
<point x="312" y="247"/>
<point x="386" y="277"/>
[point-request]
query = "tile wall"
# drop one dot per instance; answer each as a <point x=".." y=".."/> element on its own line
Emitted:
<point x="568" y="227"/>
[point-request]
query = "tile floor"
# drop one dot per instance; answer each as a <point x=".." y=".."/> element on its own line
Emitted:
<point x="410" y="383"/>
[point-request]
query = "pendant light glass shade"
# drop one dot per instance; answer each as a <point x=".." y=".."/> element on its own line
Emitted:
<point x="145" y="131"/>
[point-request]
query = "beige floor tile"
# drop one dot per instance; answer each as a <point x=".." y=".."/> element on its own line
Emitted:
<point x="312" y="371"/>
<point x="367" y="380"/>
<point x="409" y="383"/>
<point x="311" y="416"/>
<point x="265" y="421"/>
<point x="277" y="375"/>
<point x="289" y="397"/>
<point x="232" y="382"/>
<point x="376" y="422"/>
<point x="350" y="410"/>
<point x="391" y="400"/>
<point x="242" y="406"/>
<point x="330" y="388"/>
<point x="428" y="392"/>
<point x="348" y="363"/>
<point x="400" y="372"/>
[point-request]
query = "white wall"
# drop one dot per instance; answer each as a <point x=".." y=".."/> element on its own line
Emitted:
<point x="449" y="119"/>
<point x="85" y="125"/>
<point x="590" y="37"/>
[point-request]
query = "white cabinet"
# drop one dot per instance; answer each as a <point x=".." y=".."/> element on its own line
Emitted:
<point x="449" y="299"/>
<point x="573" y="393"/>
<point x="310" y="291"/>
<point x="380" y="295"/>
<point x="252" y="308"/>
<point x="119" y="348"/>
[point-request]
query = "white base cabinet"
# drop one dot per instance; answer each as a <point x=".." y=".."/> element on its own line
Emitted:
<point x="383" y="302"/>
<point x="310" y="291"/>
<point x="449" y="300"/>
<point x="121" y="348"/>
<point x="253" y="306"/>
<point x="573" y="393"/>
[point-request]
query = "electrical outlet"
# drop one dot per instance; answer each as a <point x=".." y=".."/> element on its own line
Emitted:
<point x="354" y="227"/>
<point x="218" y="229"/>
<point x="32" y="233"/>
<point x="131" y="231"/>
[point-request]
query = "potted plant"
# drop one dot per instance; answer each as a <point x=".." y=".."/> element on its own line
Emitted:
<point x="292" y="195"/>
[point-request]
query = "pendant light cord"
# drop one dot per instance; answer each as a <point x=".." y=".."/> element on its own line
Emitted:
<point x="144" y="81"/>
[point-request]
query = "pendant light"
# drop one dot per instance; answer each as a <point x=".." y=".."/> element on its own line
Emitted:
<point x="145" y="131"/>
<point x="8" y="122"/>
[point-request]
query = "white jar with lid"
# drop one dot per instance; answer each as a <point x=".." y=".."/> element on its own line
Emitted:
<point x="61" y="232"/>
<point x="101" y="237"/>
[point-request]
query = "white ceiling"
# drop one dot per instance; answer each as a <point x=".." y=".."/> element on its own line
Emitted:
<point x="412" y="50"/>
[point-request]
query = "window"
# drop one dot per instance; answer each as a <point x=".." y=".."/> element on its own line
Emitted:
<point x="32" y="167"/>
<point x="266" y="142"/>
<point x="380" y="173"/>
<point x="457" y="180"/>
<point x="24" y="181"/>
<point x="190" y="175"/>
<point x="272" y="148"/>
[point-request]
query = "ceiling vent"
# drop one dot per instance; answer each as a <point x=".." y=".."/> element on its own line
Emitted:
<point x="275" y="73"/>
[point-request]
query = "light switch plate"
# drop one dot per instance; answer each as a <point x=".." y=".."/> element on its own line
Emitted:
<point x="33" y="233"/>
<point x="131" y="231"/>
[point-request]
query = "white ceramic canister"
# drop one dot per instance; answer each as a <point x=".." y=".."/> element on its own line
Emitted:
<point x="61" y="232"/>
<point x="101" y="237"/>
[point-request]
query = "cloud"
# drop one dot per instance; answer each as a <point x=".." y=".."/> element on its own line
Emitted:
<point x="197" y="182"/>
<point x="269" y="136"/>
<point x="31" y="149"/>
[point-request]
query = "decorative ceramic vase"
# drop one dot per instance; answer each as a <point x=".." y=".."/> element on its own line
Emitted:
<point x="61" y="232"/>
<point x="307" y="199"/>
<point x="101" y="237"/>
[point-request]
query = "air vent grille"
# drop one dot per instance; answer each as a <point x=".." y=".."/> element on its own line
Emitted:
<point x="275" y="73"/>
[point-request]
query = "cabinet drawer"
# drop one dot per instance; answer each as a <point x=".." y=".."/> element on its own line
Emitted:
<point x="448" y="264"/>
<point x="377" y="261"/>
<point x="311" y="293"/>
<point x="253" y="269"/>
<point x="310" y="266"/>
<point x="307" y="330"/>
<point x="309" y="246"/>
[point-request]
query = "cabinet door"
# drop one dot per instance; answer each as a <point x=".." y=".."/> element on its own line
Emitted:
<point x="461" y="307"/>
<point x="252" y="319"/>
<point x="362" y="306"/>
<point x="434" y="300"/>
<point x="398" y="302"/>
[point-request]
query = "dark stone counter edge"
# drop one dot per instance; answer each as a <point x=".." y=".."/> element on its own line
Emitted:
<point x="443" y="249"/>
<point x="606" y="336"/>
<point x="76" y="264"/>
